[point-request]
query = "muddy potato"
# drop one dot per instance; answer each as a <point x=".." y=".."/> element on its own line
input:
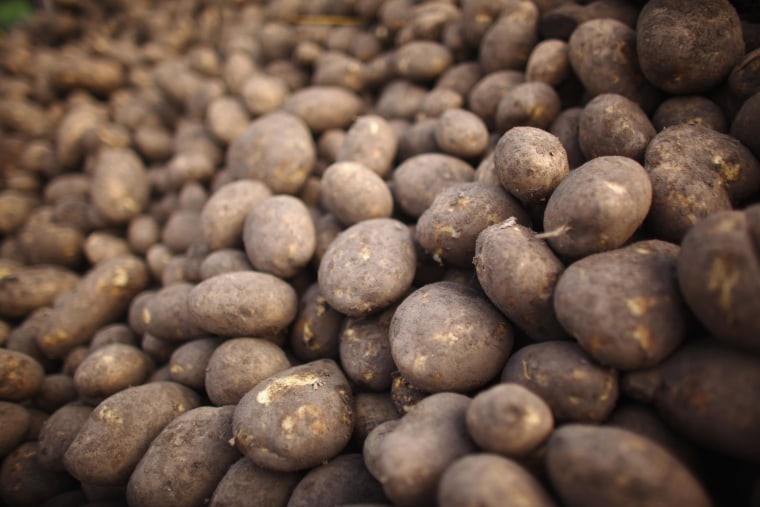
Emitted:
<point x="276" y="149"/>
<point x="343" y="480"/>
<point x="21" y="376"/>
<point x="575" y="387"/>
<point x="238" y="365"/>
<point x="461" y="133"/>
<point x="113" y="333"/>
<point x="297" y="418"/>
<point x="696" y="171"/>
<point x="334" y="68"/>
<point x="120" y="429"/>
<point x="612" y="124"/>
<point x="624" y="306"/>
<point x="598" y="206"/>
<point x="324" y="107"/>
<point x="200" y="439"/>
<point x="719" y="275"/>
<point x="530" y="163"/>
<point x="153" y="142"/>
<point x="708" y="32"/>
<point x="187" y="364"/>
<point x="110" y="369"/>
<point x="438" y="101"/>
<point x="365" y="351"/>
<point x="57" y="389"/>
<point x="368" y="267"/>
<point x="166" y="315"/>
<point x="560" y="19"/>
<point x="400" y="99"/>
<point x="404" y="394"/>
<point x="245" y="483"/>
<point x="510" y="39"/>
<point x="15" y="420"/>
<point x="24" y="289"/>
<point x="705" y="392"/>
<point x="223" y="215"/>
<point x="418" y="139"/>
<point x="490" y="480"/>
<point x="370" y="141"/>
<point x="534" y="104"/>
<point x="57" y="433"/>
<point x="484" y="97"/>
<point x="583" y="476"/>
<point x="478" y="339"/>
<point x="370" y="411"/>
<point x="181" y="230"/>
<point x="421" y="60"/>
<point x="549" y="62"/>
<point x="315" y="333"/>
<point x="120" y="188"/>
<point x="225" y="260"/>
<point x="23" y="481"/>
<point x="745" y="124"/>
<point x="460" y="77"/>
<point x="411" y="459"/>
<point x="694" y="109"/>
<point x="352" y="192"/>
<point x="449" y="228"/>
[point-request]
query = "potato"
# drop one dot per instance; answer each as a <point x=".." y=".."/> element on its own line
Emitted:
<point x="490" y="480"/>
<point x="477" y="338"/>
<point x="575" y="387"/>
<point x="344" y="480"/>
<point x="225" y="260"/>
<point x="745" y="124"/>
<point x="333" y="68"/>
<point x="242" y="304"/>
<point x="113" y="333"/>
<point x="694" y="109"/>
<point x="297" y="418"/>
<point x="324" y="107"/>
<point x="99" y="246"/>
<point x="57" y="389"/>
<point x="23" y="481"/>
<point x="153" y="142"/>
<point x="25" y="289"/>
<point x="367" y="267"/>
<point x="485" y="95"/>
<point x="370" y="411"/>
<point x="42" y="241"/>
<point x="370" y="141"/>
<point x="238" y="365"/>
<point x="530" y="163"/>
<point x="276" y="149"/>
<point x="696" y="171"/>
<point x="533" y="103"/>
<point x="119" y="430"/>
<point x="248" y="484"/>
<point x="603" y="56"/>
<point x="226" y="118"/>
<point x="404" y="395"/>
<point x="57" y="433"/>
<point x="460" y="78"/>
<point x="421" y="61"/>
<point x="612" y="124"/>
<point x="316" y="331"/>
<point x="279" y="235"/>
<point x="438" y="101"/>
<point x="400" y="99"/>
<point x="583" y="476"/>
<point x="166" y="315"/>
<point x="199" y="437"/>
<point x="719" y="275"/>
<point x="507" y="44"/>
<point x="120" y="187"/>
<point x="708" y="31"/>
<point x="223" y="215"/>
<point x="412" y="458"/>
<point x="365" y="351"/>
<point x="15" y="420"/>
<point x="565" y="127"/>
<point x="352" y="193"/>
<point x="263" y="94"/>
<point x="418" y="138"/>
<point x="21" y="376"/>
<point x="449" y="228"/>
<point x="461" y="133"/>
<point x="187" y="364"/>
<point x="15" y="207"/>
<point x="549" y="62"/>
<point x="597" y="207"/>
<point x="181" y="230"/>
<point x="109" y="370"/>
<point x="509" y="419"/>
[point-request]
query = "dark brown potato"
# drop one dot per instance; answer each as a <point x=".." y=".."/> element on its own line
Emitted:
<point x="263" y="94"/>
<point x="400" y="99"/>
<point x="418" y="138"/>
<point x="368" y="267"/>
<point x="694" y="109"/>
<point x="243" y="304"/>
<point x="247" y="484"/>
<point x="113" y="333"/>
<point x="533" y="103"/>
<point x="58" y="432"/>
<point x="99" y="246"/>
<point x="612" y="124"/>
<point x="509" y="40"/>
<point x="43" y="241"/>
<point x="745" y="124"/>
<point x="15" y="420"/>
<point x="166" y="315"/>
<point x="485" y="95"/>
<point x="57" y="389"/>
<point x="223" y="215"/>
<point x="597" y="207"/>
<point x="565" y="127"/>
<point x="181" y="230"/>
<point x="15" y="207"/>
<point x="21" y="376"/>
<point x="24" y="289"/>
<point x="370" y="411"/>
<point x="508" y="419"/>
<point x="316" y="331"/>
<point x="295" y="419"/>
<point x="460" y="78"/>
<point x="705" y="31"/>
<point x="719" y="275"/>
<point x="560" y="19"/>
<point x="421" y="61"/>
<point x="352" y="192"/>
<point x="24" y="482"/>
<point x="549" y="62"/>
<point x="120" y="188"/>
<point x="225" y="260"/>
<point x="574" y="386"/>
<point x="583" y="476"/>
<point x="477" y="338"/>
<point x="410" y="460"/>
<point x="187" y="364"/>
<point x="324" y="107"/>
<point x="238" y="364"/>
<point x="110" y="369"/>
<point x="449" y="228"/>
<point x="370" y="141"/>
<point x="365" y="351"/>
<point x="623" y="306"/>
<point x="490" y="480"/>
<point x="461" y="133"/>
<point x="200" y="438"/>
<point x="438" y="101"/>
<point x="226" y="118"/>
<point x="120" y="429"/>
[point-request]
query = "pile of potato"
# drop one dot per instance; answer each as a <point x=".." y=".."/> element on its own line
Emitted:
<point x="367" y="252"/>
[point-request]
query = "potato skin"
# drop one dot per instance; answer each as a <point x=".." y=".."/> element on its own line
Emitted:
<point x="111" y="369"/>
<point x="24" y="482"/>
<point x="583" y="476"/>
<point x="315" y="333"/>
<point x="57" y="433"/>
<point x="365" y="351"/>
<point x="15" y="420"/>
<point x="120" y="429"/>
<point x="187" y="364"/>
<point x="248" y="484"/>
<point x="224" y="213"/>
<point x="199" y="438"/>
<point x="27" y="288"/>
<point x="21" y="376"/>
<point x="166" y="315"/>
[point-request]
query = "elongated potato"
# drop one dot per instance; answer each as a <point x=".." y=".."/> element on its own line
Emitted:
<point x="120" y="187"/>
<point x="21" y="376"/>
<point x="28" y="288"/>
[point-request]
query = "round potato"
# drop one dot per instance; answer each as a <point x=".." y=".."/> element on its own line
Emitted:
<point x="370" y="141"/>
<point x="21" y="376"/>
<point x="187" y="364"/>
<point x="57" y="433"/>
<point x="110" y="369"/>
<point x="223" y="215"/>
<point x="352" y="193"/>
<point x="316" y="332"/>
<point x="248" y="484"/>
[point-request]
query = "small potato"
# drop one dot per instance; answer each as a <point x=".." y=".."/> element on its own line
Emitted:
<point x="15" y="420"/>
<point x="485" y="95"/>
<point x="224" y="213"/>
<point x="187" y="364"/>
<point x="421" y="61"/>
<point x="449" y="228"/>
<point x="400" y="99"/>
<point x="412" y="458"/>
<point x="15" y="207"/>
<point x="238" y="365"/>
<point x="43" y="241"/>
<point x="365" y="351"/>
<point x="243" y="304"/>
<point x="565" y="127"/>
<point x="534" y="104"/>
<point x="476" y="337"/>
<point x="27" y="288"/>
<point x="370" y="141"/>
<point x="248" y="484"/>
<point x="404" y="395"/>
<point x="113" y="333"/>
<point x="316" y="331"/>
<point x="226" y="118"/>
<point x="582" y="475"/>
<point x="370" y="411"/>
<point x="745" y="124"/>
<point x="58" y="432"/>
<point x="99" y="246"/>
<point x="530" y="163"/>
<point x="142" y="233"/>
<point x="324" y="107"/>
<point x="181" y="229"/>
<point x="166" y="315"/>
<point x="460" y="78"/>
<point x="489" y="480"/>
<point x="279" y="235"/>
<point x="560" y="372"/>
<point x="295" y="419"/>
<point x="694" y="109"/>
<point x="276" y="149"/>
<point x="418" y="139"/>
<point x="120" y="188"/>
<point x="21" y="376"/>
<point x="333" y="68"/>
<point x="352" y="193"/>
<point x="109" y="370"/>
<point x="507" y="44"/>
<point x="120" y="429"/>
<point x="263" y="94"/>
<point x="461" y="133"/>
<point x="549" y="62"/>
<point x="597" y="207"/>
<point x="154" y="142"/>
<point x="199" y="437"/>
<point x="719" y="275"/>
<point x="438" y="101"/>
<point x="57" y="389"/>
<point x="24" y="481"/>
<point x="612" y="124"/>
<point x="225" y="260"/>
<point x="368" y="267"/>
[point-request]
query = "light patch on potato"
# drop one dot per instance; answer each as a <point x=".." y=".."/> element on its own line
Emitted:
<point x="722" y="278"/>
<point x="146" y="316"/>
<point x="729" y="171"/>
<point x="638" y="306"/>
<point x="643" y="335"/>
<point x="108" y="415"/>
<point x="617" y="188"/>
<point x="266" y="396"/>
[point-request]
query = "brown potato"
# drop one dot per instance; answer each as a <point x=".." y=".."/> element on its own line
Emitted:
<point x="404" y="395"/>
<point x="58" y="432"/>
<point x="534" y="104"/>
<point x="365" y="351"/>
<point x="315" y="333"/>
<point x="461" y="133"/>
<point x="166" y="315"/>
<point x="110" y="369"/>
<point x="43" y="241"/>
<point x="460" y="77"/>
<point x="224" y="213"/>
<point x="324" y="107"/>
<point x="549" y="61"/>
<point x="370" y="141"/>
<point x="57" y="389"/>
<point x="694" y="109"/>
<point x="560" y="19"/>
<point x="120" y="188"/>
<point x="370" y="411"/>
<point x="27" y="288"/>
<point x="508" y="42"/>
<point x="263" y="94"/>
<point x="24" y="481"/>
<point x="187" y="364"/>
<point x="181" y="230"/>
<point x="21" y="376"/>
<point x="400" y="99"/>
<point x="15" y="420"/>
<point x="438" y="101"/>
<point x="565" y="127"/>
<point x="15" y="207"/>
<point x="418" y="138"/>
<point x="225" y="260"/>
<point x="248" y="484"/>
<point x="485" y="95"/>
<point x="333" y="68"/>
<point x="352" y="192"/>
<point x="745" y="124"/>
<point x="226" y="118"/>
<point x="421" y="61"/>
